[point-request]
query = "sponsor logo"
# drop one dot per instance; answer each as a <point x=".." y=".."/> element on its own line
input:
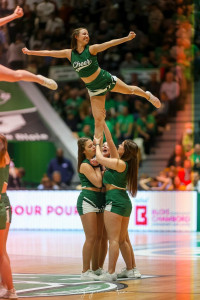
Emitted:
<point x="141" y="218"/>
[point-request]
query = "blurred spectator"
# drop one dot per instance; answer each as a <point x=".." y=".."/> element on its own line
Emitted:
<point x="56" y="181"/>
<point x="195" y="183"/>
<point x="53" y="23"/>
<point x="178" y="152"/>
<point x="195" y="158"/>
<point x="188" y="135"/>
<point x="15" y="177"/>
<point x="154" y="85"/>
<point x="124" y="125"/>
<point x="45" y="184"/>
<point x="155" y="184"/>
<point x="170" y="91"/>
<point x="63" y="165"/>
<point x="86" y="132"/>
<point x="44" y="10"/>
<point x="146" y="128"/>
<point x="185" y="173"/>
<point x="129" y="62"/>
<point x="16" y="58"/>
<point x="177" y="185"/>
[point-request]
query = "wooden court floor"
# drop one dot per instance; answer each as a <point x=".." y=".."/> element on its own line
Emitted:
<point x="172" y="259"/>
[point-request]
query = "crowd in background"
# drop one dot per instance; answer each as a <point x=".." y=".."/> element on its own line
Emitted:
<point x="165" y="42"/>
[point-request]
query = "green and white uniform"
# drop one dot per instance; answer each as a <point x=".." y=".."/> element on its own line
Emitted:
<point x="5" y="208"/>
<point x="86" y="64"/>
<point x="117" y="201"/>
<point x="89" y="201"/>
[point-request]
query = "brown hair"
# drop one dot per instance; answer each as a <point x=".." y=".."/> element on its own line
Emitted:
<point x="130" y="155"/>
<point x="81" y="147"/>
<point x="3" y="151"/>
<point x="73" y="37"/>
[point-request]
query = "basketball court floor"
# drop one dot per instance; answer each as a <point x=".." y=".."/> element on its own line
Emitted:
<point x="47" y="265"/>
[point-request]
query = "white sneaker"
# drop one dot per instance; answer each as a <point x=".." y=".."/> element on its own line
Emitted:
<point x="108" y="277"/>
<point x="126" y="273"/>
<point x="99" y="271"/>
<point x="153" y="99"/>
<point x="89" y="275"/>
<point x="137" y="273"/>
<point x="134" y="273"/>
<point x="49" y="83"/>
<point x="3" y="291"/>
<point x="10" y="294"/>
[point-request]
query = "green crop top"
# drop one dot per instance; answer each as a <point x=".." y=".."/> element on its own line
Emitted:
<point x="84" y="63"/>
<point x="4" y="173"/>
<point x="116" y="178"/>
<point x="83" y="179"/>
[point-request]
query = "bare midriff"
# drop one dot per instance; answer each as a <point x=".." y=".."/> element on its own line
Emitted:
<point x="94" y="189"/>
<point x="110" y="187"/>
<point x="91" y="77"/>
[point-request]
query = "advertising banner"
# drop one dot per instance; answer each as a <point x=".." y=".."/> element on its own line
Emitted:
<point x="19" y="118"/>
<point x="56" y="210"/>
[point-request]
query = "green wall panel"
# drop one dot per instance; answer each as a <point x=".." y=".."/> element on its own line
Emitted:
<point x="33" y="157"/>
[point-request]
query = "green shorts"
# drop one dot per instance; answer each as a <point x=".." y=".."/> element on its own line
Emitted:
<point x="118" y="201"/>
<point x="2" y="216"/>
<point x="102" y="84"/>
<point x="6" y="201"/>
<point x="90" y="201"/>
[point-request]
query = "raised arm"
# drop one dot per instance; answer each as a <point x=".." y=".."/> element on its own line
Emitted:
<point x="94" y="49"/>
<point x="111" y="163"/>
<point x="18" y="13"/>
<point x="66" y="53"/>
<point x="109" y="140"/>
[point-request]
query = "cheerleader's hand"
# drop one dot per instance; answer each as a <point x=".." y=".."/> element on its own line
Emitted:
<point x="94" y="162"/>
<point x="25" y="51"/>
<point x="18" y="13"/>
<point x="97" y="141"/>
<point x="131" y="35"/>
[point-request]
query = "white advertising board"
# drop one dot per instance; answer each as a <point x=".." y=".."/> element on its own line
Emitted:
<point x="56" y="210"/>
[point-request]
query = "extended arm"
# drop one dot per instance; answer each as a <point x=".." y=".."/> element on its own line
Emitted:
<point x="111" y="145"/>
<point x="18" y="13"/>
<point x="66" y="53"/>
<point x="94" y="49"/>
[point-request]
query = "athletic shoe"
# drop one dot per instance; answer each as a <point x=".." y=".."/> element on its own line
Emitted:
<point x="2" y="291"/>
<point x="49" y="83"/>
<point x="10" y="294"/>
<point x="126" y="273"/>
<point x="108" y="277"/>
<point x="99" y="271"/>
<point x="137" y="273"/>
<point x="133" y="273"/>
<point x="89" y="275"/>
<point x="154" y="100"/>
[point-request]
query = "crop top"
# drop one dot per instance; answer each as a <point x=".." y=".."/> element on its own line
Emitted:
<point x="84" y="63"/>
<point x="83" y="179"/>
<point x="118" y="179"/>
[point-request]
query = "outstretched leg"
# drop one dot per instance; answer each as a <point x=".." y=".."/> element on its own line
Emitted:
<point x="123" y="88"/>
<point x="9" y="75"/>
